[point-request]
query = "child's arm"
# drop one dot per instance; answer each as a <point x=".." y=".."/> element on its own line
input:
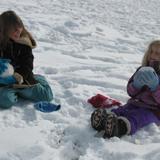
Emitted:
<point x="156" y="95"/>
<point x="25" y="67"/>
<point x="131" y="90"/>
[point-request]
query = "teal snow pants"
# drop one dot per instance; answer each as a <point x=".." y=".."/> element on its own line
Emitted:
<point x="39" y="92"/>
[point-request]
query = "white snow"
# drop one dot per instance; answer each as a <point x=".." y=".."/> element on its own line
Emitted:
<point x="85" y="47"/>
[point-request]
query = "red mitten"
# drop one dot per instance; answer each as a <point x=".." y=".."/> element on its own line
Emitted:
<point x="100" y="101"/>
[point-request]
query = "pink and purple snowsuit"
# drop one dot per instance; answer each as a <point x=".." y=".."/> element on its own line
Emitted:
<point x="141" y="108"/>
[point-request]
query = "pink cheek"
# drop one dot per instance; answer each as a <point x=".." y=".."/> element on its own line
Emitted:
<point x="16" y="35"/>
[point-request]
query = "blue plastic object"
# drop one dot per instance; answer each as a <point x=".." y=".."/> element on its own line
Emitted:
<point x="45" y="106"/>
<point x="5" y="60"/>
<point x="7" y="80"/>
<point x="3" y="65"/>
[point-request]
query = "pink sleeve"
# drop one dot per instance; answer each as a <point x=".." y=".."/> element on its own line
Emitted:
<point x="131" y="90"/>
<point x="156" y="95"/>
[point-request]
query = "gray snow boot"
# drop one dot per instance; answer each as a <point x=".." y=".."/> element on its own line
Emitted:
<point x="108" y="124"/>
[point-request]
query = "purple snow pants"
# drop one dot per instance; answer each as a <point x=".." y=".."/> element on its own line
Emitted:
<point x="137" y="116"/>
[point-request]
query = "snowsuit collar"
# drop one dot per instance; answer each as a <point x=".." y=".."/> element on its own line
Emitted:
<point x="27" y="40"/>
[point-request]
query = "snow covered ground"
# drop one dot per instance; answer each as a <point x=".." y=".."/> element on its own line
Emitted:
<point x="85" y="47"/>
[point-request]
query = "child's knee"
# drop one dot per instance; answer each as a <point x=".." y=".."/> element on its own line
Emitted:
<point x="43" y="90"/>
<point x="41" y="93"/>
<point x="46" y="95"/>
<point x="7" y="100"/>
<point x="6" y="106"/>
<point x="50" y="96"/>
<point x="41" y="79"/>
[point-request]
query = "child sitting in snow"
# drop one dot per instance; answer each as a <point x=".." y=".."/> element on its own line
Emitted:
<point x="142" y="108"/>
<point x="16" y="45"/>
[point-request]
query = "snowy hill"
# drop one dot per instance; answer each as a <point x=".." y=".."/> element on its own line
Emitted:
<point x="84" y="47"/>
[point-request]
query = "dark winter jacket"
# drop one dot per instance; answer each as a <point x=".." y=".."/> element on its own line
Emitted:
<point x="20" y="54"/>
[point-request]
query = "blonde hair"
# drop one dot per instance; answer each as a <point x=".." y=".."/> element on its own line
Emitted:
<point x="145" y="60"/>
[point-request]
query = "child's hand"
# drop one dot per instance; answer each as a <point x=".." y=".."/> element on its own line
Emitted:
<point x="146" y="76"/>
<point x="18" y="78"/>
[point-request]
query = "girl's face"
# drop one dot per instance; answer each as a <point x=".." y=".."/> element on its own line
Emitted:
<point x="15" y="33"/>
<point x="154" y="58"/>
<point x="155" y="53"/>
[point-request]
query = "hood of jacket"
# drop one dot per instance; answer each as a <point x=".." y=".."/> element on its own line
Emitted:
<point x="27" y="40"/>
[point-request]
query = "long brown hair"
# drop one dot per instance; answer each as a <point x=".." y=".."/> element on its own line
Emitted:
<point x="9" y="20"/>
<point x="146" y="57"/>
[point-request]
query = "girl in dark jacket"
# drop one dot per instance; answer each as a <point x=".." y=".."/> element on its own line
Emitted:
<point x="16" y="45"/>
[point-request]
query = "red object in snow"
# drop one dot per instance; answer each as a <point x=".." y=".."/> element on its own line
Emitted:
<point x="101" y="101"/>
